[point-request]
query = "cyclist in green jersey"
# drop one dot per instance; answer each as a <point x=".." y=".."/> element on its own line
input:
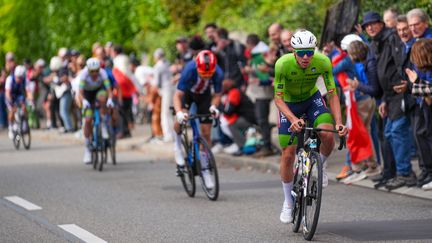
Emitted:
<point x="296" y="94"/>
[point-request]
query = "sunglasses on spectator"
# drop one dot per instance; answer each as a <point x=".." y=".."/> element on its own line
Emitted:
<point x="308" y="53"/>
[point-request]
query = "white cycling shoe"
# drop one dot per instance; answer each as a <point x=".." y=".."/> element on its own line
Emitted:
<point x="10" y="133"/>
<point x="87" y="156"/>
<point x="286" y="214"/>
<point x="208" y="181"/>
<point x="325" y="179"/>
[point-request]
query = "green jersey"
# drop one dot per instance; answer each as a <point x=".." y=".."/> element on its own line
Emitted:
<point x="295" y="84"/>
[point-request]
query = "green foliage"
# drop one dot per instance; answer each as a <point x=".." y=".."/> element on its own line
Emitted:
<point x="38" y="28"/>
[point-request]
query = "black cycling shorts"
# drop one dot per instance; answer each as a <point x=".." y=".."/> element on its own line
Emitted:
<point x="202" y="101"/>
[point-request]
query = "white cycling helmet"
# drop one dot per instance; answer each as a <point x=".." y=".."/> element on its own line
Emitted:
<point x="93" y="64"/>
<point x="55" y="63"/>
<point x="19" y="71"/>
<point x="303" y="39"/>
<point x="346" y="41"/>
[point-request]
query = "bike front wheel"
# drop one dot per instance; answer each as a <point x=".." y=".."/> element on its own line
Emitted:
<point x="187" y="175"/>
<point x="298" y="202"/>
<point x="312" y="199"/>
<point x="25" y="134"/>
<point x="207" y="169"/>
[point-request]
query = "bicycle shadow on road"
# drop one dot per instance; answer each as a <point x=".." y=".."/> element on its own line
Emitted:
<point x="381" y="230"/>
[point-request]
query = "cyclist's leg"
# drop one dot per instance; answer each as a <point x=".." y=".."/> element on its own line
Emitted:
<point x="178" y="154"/>
<point x="320" y="117"/>
<point x="286" y="168"/>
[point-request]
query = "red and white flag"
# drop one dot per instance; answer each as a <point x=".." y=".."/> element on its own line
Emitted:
<point x="359" y="142"/>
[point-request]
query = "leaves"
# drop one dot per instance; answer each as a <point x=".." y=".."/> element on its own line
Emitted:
<point x="38" y="28"/>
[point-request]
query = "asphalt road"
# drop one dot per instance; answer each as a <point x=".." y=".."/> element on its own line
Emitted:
<point x="141" y="200"/>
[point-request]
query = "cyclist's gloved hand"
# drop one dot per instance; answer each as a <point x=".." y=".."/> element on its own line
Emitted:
<point x="110" y="103"/>
<point x="214" y="111"/>
<point x="181" y="116"/>
<point x="85" y="104"/>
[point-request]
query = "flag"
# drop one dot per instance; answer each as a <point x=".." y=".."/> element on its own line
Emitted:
<point x="359" y="142"/>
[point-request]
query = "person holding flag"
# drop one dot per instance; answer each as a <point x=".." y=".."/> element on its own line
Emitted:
<point x="360" y="109"/>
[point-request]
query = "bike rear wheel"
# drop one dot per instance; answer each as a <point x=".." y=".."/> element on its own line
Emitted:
<point x="112" y="148"/>
<point x="298" y="201"/>
<point x="208" y="166"/>
<point x="187" y="175"/>
<point x="312" y="199"/>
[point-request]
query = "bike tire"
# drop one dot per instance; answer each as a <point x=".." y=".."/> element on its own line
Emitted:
<point x="25" y="136"/>
<point x="94" y="156"/>
<point x="312" y="201"/>
<point x="298" y="202"/>
<point x="100" y="147"/>
<point x="211" y="193"/>
<point x="112" y="148"/>
<point x="103" y="155"/>
<point x="16" y="141"/>
<point x="187" y="176"/>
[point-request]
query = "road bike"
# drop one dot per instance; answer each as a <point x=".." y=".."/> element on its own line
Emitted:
<point x="102" y="140"/>
<point x="198" y="160"/>
<point x="308" y="178"/>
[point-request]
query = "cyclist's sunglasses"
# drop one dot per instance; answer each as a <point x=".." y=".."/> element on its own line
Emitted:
<point x="94" y="71"/>
<point x="308" y="53"/>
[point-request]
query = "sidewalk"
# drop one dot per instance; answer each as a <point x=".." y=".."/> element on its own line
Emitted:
<point x="266" y="165"/>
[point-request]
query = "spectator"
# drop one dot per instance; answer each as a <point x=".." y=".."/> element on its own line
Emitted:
<point x="390" y="15"/>
<point x="108" y="60"/>
<point x="196" y="44"/>
<point x="238" y="116"/>
<point x="230" y="57"/>
<point x="418" y="22"/>
<point x="260" y="90"/>
<point x="63" y="53"/>
<point x="210" y="32"/>
<point x="73" y="65"/>
<point x="64" y="94"/>
<point x="35" y="77"/>
<point x="9" y="67"/>
<point x="144" y="74"/>
<point x="128" y="88"/>
<point x="421" y="78"/>
<point x="384" y="42"/>
<point x="286" y="41"/>
<point x="184" y="53"/>
<point x="162" y="79"/>
<point x="365" y="108"/>
<point x="274" y="32"/>
<point x="54" y="97"/>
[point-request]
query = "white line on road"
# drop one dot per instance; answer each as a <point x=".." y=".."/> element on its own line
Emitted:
<point x="23" y="203"/>
<point x="81" y="233"/>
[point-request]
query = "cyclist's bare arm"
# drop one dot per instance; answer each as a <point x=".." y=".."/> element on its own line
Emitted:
<point x="178" y="96"/>
<point x="216" y="99"/>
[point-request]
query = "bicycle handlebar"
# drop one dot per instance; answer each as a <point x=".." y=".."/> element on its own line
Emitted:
<point x="342" y="140"/>
<point x="195" y="116"/>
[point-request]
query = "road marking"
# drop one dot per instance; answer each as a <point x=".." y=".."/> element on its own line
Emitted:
<point x="81" y="233"/>
<point x="23" y="203"/>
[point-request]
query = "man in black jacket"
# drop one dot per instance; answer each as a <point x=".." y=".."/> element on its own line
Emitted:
<point x="386" y="46"/>
<point x="230" y="56"/>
